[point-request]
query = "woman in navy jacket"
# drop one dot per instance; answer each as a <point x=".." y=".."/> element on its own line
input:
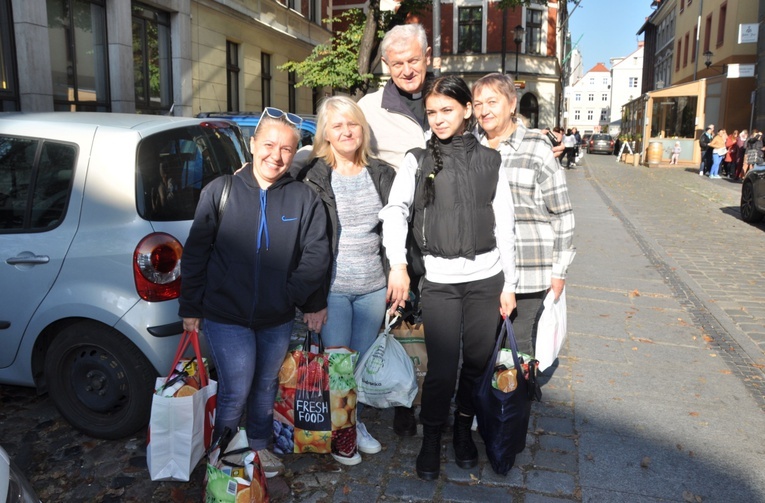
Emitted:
<point x="245" y="274"/>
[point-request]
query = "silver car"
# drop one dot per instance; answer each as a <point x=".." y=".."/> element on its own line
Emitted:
<point x="94" y="209"/>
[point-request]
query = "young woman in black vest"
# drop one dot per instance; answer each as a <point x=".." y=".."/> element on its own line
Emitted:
<point x="463" y="223"/>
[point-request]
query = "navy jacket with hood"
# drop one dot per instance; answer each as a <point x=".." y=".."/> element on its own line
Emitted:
<point x="271" y="253"/>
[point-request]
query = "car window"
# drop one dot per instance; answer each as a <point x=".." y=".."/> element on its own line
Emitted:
<point x="174" y="166"/>
<point x="34" y="188"/>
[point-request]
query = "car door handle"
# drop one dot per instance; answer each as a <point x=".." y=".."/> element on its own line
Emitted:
<point x="28" y="259"/>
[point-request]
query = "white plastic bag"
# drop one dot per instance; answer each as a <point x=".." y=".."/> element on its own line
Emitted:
<point x="385" y="375"/>
<point x="551" y="330"/>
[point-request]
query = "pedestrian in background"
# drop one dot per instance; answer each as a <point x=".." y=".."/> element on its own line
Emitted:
<point x="740" y="153"/>
<point x="753" y="150"/>
<point x="463" y="224"/>
<point x="354" y="187"/>
<point x="243" y="276"/>
<point x="569" y="143"/>
<point x="729" y="162"/>
<point x="717" y="146"/>
<point x="706" y="153"/>
<point x="676" y="151"/>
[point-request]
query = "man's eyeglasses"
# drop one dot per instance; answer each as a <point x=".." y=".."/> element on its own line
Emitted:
<point x="275" y="113"/>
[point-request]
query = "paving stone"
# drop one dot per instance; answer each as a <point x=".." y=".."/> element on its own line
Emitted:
<point x="557" y="483"/>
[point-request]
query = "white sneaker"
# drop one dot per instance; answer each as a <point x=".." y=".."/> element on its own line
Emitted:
<point x="366" y="442"/>
<point x="271" y="465"/>
<point x="344" y="460"/>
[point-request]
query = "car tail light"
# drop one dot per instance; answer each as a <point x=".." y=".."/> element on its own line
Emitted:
<point x="157" y="267"/>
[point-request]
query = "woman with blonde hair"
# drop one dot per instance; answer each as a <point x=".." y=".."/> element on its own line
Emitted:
<point x="354" y="187"/>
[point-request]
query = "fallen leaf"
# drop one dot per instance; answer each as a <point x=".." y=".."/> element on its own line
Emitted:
<point x="646" y="462"/>
<point x="693" y="414"/>
<point x="346" y="490"/>
<point x="713" y="355"/>
<point x="589" y="457"/>
<point x="634" y="349"/>
<point x="708" y="339"/>
<point x="646" y="341"/>
<point x="473" y="477"/>
<point x="679" y="447"/>
<point x="726" y="371"/>
<point x="634" y="293"/>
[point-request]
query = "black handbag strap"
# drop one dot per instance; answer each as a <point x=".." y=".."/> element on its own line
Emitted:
<point x="507" y="333"/>
<point x="309" y="338"/>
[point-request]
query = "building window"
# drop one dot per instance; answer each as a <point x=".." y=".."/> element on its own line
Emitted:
<point x="313" y="5"/>
<point x="604" y="97"/>
<point x="603" y="114"/>
<point x="605" y="81"/>
<point x="577" y="115"/>
<point x="591" y="97"/>
<point x="695" y="39"/>
<point x="469" y="29"/>
<point x="633" y="82"/>
<point x="152" y="59"/>
<point x="721" y="24"/>
<point x="685" y="50"/>
<point x="265" y="79"/>
<point x="9" y="95"/>
<point x="592" y="81"/>
<point x="78" y="55"/>
<point x="707" y="32"/>
<point x="232" y="76"/>
<point x="578" y="97"/>
<point x="291" y="92"/>
<point x="682" y="5"/>
<point x="590" y="115"/>
<point x="677" y="56"/>
<point x="534" y="38"/>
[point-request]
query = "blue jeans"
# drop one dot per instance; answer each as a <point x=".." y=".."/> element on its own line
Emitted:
<point x="354" y="321"/>
<point x="248" y="363"/>
<point x="716" y="159"/>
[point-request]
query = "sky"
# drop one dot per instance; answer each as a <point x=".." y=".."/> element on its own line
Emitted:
<point x="607" y="28"/>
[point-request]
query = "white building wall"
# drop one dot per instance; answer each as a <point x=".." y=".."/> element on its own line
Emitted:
<point x="626" y="74"/>
<point x="585" y="101"/>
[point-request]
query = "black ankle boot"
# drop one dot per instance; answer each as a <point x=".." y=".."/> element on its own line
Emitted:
<point x="429" y="459"/>
<point x="465" y="451"/>
<point x="404" y="423"/>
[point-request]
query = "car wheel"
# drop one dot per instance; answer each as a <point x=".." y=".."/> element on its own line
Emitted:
<point x="749" y="212"/>
<point x="99" y="381"/>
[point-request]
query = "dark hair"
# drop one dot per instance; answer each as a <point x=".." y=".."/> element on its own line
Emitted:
<point x="452" y="87"/>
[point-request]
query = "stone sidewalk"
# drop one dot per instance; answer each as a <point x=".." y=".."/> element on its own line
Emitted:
<point x="657" y="395"/>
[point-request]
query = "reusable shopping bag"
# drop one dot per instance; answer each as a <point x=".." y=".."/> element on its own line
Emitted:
<point x="551" y="329"/>
<point x="385" y="374"/>
<point x="411" y="335"/>
<point x="503" y="417"/>
<point x="315" y="408"/>
<point x="235" y="476"/>
<point x="181" y="424"/>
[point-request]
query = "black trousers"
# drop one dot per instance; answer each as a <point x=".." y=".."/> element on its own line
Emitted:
<point x="460" y="320"/>
<point x="525" y="318"/>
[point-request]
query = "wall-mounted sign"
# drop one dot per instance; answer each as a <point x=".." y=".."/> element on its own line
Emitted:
<point x="737" y="70"/>
<point x="747" y="33"/>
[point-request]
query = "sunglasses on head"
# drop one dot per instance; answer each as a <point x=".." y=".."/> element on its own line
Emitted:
<point x="275" y="113"/>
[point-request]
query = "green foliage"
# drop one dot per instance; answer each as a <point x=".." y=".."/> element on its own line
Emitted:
<point x="335" y="63"/>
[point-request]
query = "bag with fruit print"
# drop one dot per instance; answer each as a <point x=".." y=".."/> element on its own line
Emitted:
<point x="235" y="476"/>
<point x="315" y="409"/>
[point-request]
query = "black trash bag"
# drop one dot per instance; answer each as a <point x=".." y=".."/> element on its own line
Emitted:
<point x="503" y="418"/>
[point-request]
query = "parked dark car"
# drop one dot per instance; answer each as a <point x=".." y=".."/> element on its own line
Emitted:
<point x="600" y="144"/>
<point x="248" y="121"/>
<point x="753" y="195"/>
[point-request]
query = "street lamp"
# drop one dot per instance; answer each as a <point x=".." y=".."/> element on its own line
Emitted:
<point x="708" y="61"/>
<point x="518" y="38"/>
<point x="708" y="58"/>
